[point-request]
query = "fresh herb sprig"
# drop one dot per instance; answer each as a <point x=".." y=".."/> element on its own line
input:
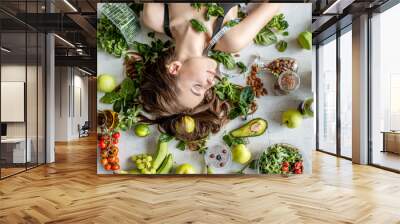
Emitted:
<point x="225" y="58"/>
<point x="240" y="99"/>
<point x="123" y="97"/>
<point x="198" y="25"/>
<point x="242" y="108"/>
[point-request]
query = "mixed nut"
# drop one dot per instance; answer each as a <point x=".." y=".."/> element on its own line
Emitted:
<point x="280" y="65"/>
<point x="255" y="82"/>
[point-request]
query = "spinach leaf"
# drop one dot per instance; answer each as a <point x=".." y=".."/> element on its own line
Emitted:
<point x="265" y="37"/>
<point x="225" y="58"/>
<point x="181" y="145"/>
<point x="242" y="67"/>
<point x="243" y="107"/>
<point x="213" y="9"/>
<point x="278" y="23"/>
<point x="281" y="46"/>
<point x="110" y="98"/>
<point x="198" y="25"/>
<point x="230" y="140"/>
<point x="197" y="6"/>
<point x="165" y="137"/>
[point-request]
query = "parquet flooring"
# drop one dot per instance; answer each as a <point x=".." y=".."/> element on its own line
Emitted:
<point x="69" y="191"/>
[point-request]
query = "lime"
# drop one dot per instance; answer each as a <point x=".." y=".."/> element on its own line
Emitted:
<point x="142" y="130"/>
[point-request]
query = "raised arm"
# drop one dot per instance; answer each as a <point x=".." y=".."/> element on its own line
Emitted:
<point x="153" y="16"/>
<point x="242" y="34"/>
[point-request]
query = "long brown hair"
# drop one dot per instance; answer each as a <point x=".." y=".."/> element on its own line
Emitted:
<point x="159" y="97"/>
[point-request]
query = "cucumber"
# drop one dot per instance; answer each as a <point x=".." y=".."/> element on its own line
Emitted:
<point x="162" y="151"/>
<point x="166" y="166"/>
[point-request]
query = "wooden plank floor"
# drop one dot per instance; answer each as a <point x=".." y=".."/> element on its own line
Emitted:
<point x="69" y="191"/>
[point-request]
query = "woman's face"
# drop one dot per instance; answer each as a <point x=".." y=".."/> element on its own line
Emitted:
<point x="194" y="77"/>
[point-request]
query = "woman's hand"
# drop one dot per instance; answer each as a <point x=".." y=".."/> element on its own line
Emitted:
<point x="239" y="36"/>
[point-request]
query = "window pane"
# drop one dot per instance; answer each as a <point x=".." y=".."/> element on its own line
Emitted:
<point x="327" y="97"/>
<point x="385" y="82"/>
<point x="346" y="93"/>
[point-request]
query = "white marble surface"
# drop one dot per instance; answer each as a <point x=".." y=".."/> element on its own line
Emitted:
<point x="270" y="106"/>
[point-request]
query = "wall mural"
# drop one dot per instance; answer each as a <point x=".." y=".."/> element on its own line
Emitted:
<point x="204" y="88"/>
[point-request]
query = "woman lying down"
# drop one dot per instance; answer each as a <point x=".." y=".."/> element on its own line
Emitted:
<point x="180" y="82"/>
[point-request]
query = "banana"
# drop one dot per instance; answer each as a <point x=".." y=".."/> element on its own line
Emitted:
<point x="166" y="166"/>
<point x="162" y="151"/>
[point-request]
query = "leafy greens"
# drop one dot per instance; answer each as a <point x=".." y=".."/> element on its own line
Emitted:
<point x="198" y="25"/>
<point x="109" y="38"/>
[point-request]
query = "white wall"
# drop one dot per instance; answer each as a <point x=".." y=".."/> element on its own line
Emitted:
<point x="70" y="83"/>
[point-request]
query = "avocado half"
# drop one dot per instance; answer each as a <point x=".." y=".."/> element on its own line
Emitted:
<point x="255" y="127"/>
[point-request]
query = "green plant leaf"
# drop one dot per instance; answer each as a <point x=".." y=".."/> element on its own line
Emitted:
<point x="265" y="37"/>
<point x="242" y="67"/>
<point x="198" y="25"/>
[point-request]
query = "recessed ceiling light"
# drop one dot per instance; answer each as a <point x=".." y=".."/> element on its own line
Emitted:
<point x="70" y="5"/>
<point x="5" y="50"/>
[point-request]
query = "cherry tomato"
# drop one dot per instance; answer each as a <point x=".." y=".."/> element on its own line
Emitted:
<point x="285" y="168"/>
<point x="285" y="164"/>
<point x="115" y="167"/>
<point x="115" y="150"/>
<point x="298" y="171"/>
<point x="102" y="144"/>
<point x="111" y="159"/>
<point x="115" y="142"/>
<point x="116" y="135"/>
<point x="107" y="167"/>
<point x="104" y="154"/>
<point x="104" y="161"/>
<point x="298" y="165"/>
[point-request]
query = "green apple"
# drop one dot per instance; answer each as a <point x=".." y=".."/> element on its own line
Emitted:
<point x="292" y="118"/>
<point x="106" y="83"/>
<point x="185" y="168"/>
<point x="241" y="154"/>
<point x="305" y="40"/>
<point x="142" y="130"/>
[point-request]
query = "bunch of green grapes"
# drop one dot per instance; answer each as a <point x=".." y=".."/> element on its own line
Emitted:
<point x="144" y="163"/>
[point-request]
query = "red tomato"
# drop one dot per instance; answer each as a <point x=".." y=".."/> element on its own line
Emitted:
<point x="116" y="135"/>
<point x="298" y="165"/>
<point x="285" y="164"/>
<point x="107" y="167"/>
<point x="102" y="144"/>
<point x="111" y="159"/>
<point x="104" y="161"/>
<point x="298" y="171"/>
<point x="104" y="154"/>
<point x="115" y="142"/>
<point x="285" y="168"/>
<point x="115" y="167"/>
